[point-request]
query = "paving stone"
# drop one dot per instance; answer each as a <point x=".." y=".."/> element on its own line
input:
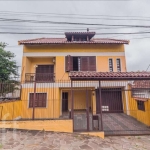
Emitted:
<point x="64" y="141"/>
<point x="86" y="147"/>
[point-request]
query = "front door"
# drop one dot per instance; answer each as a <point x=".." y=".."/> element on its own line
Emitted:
<point x="64" y="101"/>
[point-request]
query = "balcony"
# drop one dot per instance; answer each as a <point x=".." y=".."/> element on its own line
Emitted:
<point x="39" y="77"/>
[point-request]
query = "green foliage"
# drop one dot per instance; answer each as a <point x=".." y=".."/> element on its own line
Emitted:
<point x="8" y="69"/>
<point x="8" y="66"/>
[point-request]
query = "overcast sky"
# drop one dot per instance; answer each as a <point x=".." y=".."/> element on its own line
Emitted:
<point x="132" y="12"/>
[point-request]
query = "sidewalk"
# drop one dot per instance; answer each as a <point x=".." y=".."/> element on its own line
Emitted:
<point x="41" y="140"/>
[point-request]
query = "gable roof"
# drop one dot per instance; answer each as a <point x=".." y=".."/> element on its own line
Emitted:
<point x="40" y="41"/>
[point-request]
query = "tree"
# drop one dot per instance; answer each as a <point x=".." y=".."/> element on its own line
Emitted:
<point x="8" y="70"/>
<point x="8" y="66"/>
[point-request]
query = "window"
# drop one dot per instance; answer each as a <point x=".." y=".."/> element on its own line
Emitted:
<point x="76" y="64"/>
<point x="40" y="100"/>
<point x="45" y="73"/>
<point x="111" y="65"/>
<point x="82" y="63"/>
<point x="118" y="65"/>
<point x="140" y="105"/>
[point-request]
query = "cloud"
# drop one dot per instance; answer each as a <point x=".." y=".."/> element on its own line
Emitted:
<point x="137" y="53"/>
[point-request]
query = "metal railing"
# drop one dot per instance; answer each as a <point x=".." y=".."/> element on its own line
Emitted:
<point x="39" y="77"/>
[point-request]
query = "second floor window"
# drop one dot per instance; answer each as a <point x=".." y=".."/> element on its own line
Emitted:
<point x="111" y="65"/>
<point x="81" y="63"/>
<point x="118" y="65"/>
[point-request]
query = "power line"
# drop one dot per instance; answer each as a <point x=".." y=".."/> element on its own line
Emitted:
<point x="53" y="15"/>
<point x="77" y="0"/>
<point x="60" y="33"/>
<point x="70" y="23"/>
<point x="47" y="14"/>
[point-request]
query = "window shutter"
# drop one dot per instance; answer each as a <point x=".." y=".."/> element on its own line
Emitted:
<point x="92" y="63"/>
<point x="88" y="63"/>
<point x="40" y="100"/>
<point x="31" y="97"/>
<point x="84" y="63"/>
<point x="68" y="63"/>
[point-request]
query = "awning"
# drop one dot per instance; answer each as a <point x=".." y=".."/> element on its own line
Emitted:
<point x="91" y="75"/>
<point x="140" y="99"/>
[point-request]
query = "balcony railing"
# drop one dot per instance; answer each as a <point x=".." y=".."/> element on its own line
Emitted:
<point x="39" y="77"/>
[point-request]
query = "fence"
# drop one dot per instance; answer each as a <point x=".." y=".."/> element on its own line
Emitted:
<point x="124" y="107"/>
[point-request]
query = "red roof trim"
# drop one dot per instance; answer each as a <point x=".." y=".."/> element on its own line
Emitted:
<point x="140" y="99"/>
<point x="64" y="41"/>
<point x="109" y="75"/>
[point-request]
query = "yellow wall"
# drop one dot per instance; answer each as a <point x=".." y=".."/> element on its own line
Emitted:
<point x="47" y="125"/>
<point x="59" y="65"/>
<point x="142" y="116"/>
<point x="10" y="110"/>
<point x="75" y="48"/>
<point x="102" y="63"/>
<point x="52" y="109"/>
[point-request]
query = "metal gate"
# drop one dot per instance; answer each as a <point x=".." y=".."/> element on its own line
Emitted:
<point x="124" y="111"/>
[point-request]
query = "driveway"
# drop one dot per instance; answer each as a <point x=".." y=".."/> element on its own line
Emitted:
<point x="41" y="140"/>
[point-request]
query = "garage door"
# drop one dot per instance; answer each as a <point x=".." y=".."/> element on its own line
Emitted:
<point x="111" y="100"/>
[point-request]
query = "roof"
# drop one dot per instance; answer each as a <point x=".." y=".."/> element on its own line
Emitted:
<point x="141" y="84"/>
<point x="81" y="33"/>
<point x="91" y="75"/>
<point x="140" y="99"/>
<point x="64" y="41"/>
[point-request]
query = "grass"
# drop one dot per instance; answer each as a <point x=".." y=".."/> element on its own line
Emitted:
<point x="0" y="145"/>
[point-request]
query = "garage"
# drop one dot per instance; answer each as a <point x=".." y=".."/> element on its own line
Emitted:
<point x="111" y="100"/>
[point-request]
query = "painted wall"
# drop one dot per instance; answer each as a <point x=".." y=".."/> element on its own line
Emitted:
<point x="142" y="116"/>
<point x="52" y="109"/>
<point x="47" y="125"/>
<point x="10" y="110"/>
<point x="63" y="50"/>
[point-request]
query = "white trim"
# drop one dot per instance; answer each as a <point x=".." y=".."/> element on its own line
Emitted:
<point x="38" y="107"/>
<point x="52" y="54"/>
<point x="75" y="84"/>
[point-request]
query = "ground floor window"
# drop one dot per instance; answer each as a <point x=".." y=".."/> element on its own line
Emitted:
<point x="40" y="100"/>
<point x="140" y="105"/>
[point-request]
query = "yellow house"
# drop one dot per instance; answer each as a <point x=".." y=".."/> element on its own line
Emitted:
<point x="48" y="92"/>
<point x="49" y="60"/>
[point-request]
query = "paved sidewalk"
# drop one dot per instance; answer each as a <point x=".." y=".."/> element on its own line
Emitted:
<point x="40" y="140"/>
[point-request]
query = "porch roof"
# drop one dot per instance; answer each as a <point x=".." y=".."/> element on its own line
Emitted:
<point x="91" y="75"/>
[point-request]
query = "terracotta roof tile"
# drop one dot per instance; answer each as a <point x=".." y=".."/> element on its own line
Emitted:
<point x="141" y="84"/>
<point x="79" y="32"/>
<point x="64" y="41"/>
<point x="109" y="75"/>
<point x="140" y="99"/>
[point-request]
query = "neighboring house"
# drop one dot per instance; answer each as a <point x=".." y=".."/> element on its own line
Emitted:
<point x="49" y="60"/>
<point x="140" y="101"/>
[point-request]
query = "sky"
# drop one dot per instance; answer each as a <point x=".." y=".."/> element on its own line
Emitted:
<point x="99" y="13"/>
